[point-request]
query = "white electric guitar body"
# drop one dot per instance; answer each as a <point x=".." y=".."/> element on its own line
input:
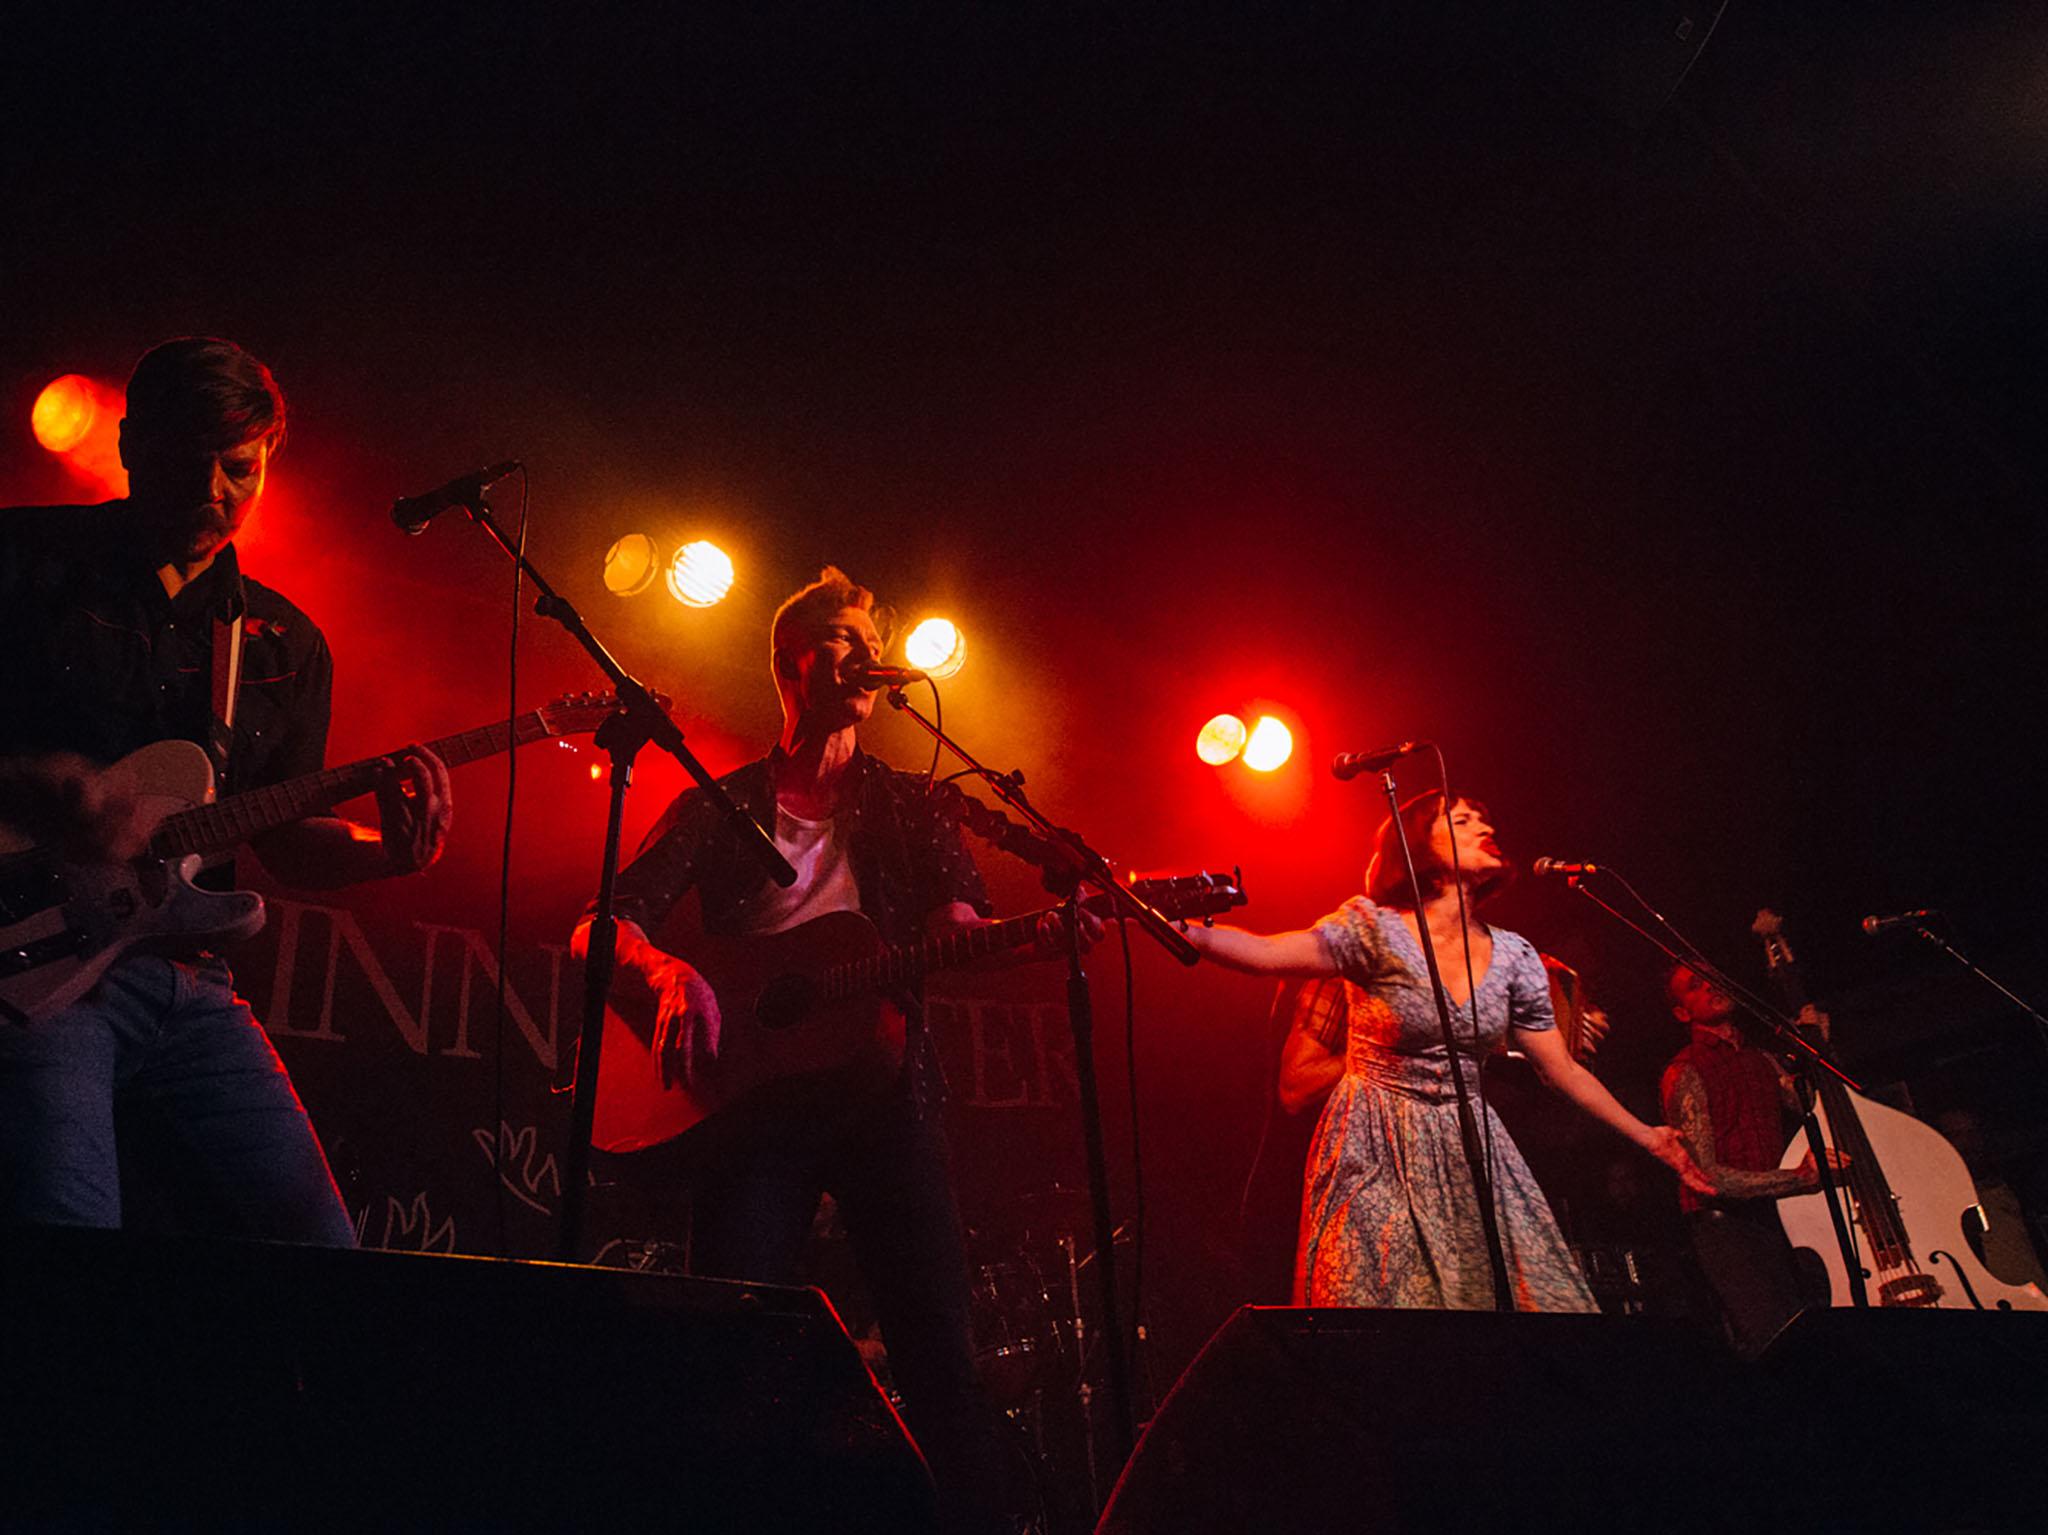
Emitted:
<point x="62" y="923"/>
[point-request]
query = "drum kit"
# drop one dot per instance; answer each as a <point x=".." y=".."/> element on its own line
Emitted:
<point x="1037" y="1346"/>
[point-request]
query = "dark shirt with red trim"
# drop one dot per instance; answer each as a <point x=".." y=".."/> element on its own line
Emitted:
<point x="1745" y="1105"/>
<point x="100" y="661"/>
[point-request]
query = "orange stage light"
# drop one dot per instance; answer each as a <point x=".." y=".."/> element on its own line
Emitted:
<point x="79" y="420"/>
<point x="1271" y="744"/>
<point x="65" y="412"/>
<point x="936" y="647"/>
<point x="700" y="575"/>
<point x="1221" y="740"/>
<point x="630" y="565"/>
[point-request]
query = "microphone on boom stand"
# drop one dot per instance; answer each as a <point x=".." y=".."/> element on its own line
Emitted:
<point x="1348" y="765"/>
<point x="411" y="514"/>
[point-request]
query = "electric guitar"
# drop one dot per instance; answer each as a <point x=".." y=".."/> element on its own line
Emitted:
<point x="63" y="923"/>
<point x="807" y="1011"/>
<point x="1907" y="1189"/>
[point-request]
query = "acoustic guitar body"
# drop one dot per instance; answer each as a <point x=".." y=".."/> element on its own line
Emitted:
<point x="781" y="1040"/>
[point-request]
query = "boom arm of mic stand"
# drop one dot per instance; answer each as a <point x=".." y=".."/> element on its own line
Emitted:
<point x="1770" y="1017"/>
<point x="653" y="720"/>
<point x="1077" y="854"/>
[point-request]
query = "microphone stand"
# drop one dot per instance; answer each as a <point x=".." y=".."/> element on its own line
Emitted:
<point x="1080" y="862"/>
<point x="641" y="720"/>
<point x="1468" y="1120"/>
<point x="1806" y="1060"/>
<point x="2040" y="1023"/>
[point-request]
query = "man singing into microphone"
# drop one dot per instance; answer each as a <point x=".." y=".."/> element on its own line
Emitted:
<point x="862" y="837"/>
<point x="130" y="623"/>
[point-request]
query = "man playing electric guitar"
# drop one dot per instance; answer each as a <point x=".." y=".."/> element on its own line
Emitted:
<point x="862" y="837"/>
<point x="131" y="623"/>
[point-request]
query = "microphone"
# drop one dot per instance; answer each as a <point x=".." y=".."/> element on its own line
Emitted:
<point x="887" y="676"/>
<point x="1541" y="866"/>
<point x="413" y="513"/>
<point x="1348" y="765"/>
<point x="1903" y="919"/>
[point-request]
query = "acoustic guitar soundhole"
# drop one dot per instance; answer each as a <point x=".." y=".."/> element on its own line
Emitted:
<point x="785" y="1001"/>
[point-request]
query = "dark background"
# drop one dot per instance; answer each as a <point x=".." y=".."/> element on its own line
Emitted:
<point x="1670" y="453"/>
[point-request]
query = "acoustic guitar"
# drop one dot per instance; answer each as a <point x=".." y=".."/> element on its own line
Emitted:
<point x="808" y="1011"/>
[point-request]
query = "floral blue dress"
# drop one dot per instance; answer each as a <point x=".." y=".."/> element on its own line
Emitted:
<point x="1388" y="1216"/>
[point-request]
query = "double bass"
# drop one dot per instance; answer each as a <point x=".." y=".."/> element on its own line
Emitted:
<point x="1907" y="1189"/>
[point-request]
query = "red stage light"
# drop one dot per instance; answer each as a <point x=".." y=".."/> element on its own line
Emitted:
<point x="1271" y="744"/>
<point x="1221" y="740"/>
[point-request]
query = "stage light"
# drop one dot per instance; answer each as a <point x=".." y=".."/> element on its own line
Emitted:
<point x="700" y="575"/>
<point x="936" y="647"/>
<point x="65" y="413"/>
<point x="630" y="565"/>
<point x="1271" y="744"/>
<point x="1221" y="740"/>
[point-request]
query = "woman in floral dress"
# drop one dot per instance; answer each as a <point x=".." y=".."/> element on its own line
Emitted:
<point x="1388" y="1214"/>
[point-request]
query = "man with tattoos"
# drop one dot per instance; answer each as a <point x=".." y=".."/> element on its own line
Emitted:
<point x="1736" y="1105"/>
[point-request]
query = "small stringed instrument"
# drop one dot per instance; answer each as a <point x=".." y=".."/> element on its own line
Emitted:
<point x="1907" y="1190"/>
<point x="63" y="923"/>
<point x="807" y="1010"/>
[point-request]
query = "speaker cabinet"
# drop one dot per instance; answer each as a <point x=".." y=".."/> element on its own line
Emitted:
<point x="1310" y="1420"/>
<point x="186" y="1383"/>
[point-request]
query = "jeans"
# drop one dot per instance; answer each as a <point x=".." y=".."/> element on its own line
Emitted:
<point x="888" y="1168"/>
<point x="161" y="1051"/>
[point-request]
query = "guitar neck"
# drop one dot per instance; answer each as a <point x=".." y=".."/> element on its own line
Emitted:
<point x="239" y="817"/>
<point x="904" y="964"/>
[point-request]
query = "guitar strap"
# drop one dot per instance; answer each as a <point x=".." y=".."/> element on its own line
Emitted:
<point x="227" y="684"/>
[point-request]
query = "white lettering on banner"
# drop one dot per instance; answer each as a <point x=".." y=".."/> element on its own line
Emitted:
<point x="477" y="957"/>
<point x="343" y="928"/>
<point x="292" y="925"/>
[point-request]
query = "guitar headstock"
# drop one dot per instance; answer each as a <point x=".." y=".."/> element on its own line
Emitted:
<point x="1181" y="896"/>
<point x="579" y="714"/>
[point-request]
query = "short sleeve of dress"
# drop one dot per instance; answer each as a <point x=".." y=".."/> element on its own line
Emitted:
<point x="1351" y="937"/>
<point x="1528" y="982"/>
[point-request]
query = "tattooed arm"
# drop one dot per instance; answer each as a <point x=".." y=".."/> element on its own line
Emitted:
<point x="1685" y="1105"/>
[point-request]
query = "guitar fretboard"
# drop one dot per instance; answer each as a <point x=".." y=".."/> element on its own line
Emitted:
<point x="239" y="817"/>
<point x="906" y="963"/>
